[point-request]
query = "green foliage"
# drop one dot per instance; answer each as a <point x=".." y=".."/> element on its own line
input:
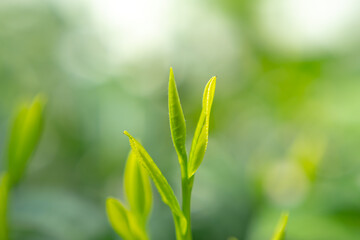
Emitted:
<point x="119" y="218"/>
<point x="131" y="224"/>
<point x="25" y="135"/>
<point x="182" y="216"/>
<point x="201" y="135"/>
<point x="137" y="188"/>
<point x="166" y="192"/>
<point x="177" y="123"/>
<point x="280" y="229"/>
<point x="139" y="160"/>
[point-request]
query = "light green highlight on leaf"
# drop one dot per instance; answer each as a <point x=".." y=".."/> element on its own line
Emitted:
<point x="177" y="122"/>
<point x="280" y="229"/>
<point x="201" y="136"/>
<point x="119" y="218"/>
<point x="137" y="188"/>
<point x="4" y="194"/>
<point x="25" y="135"/>
<point x="208" y="95"/>
<point x="166" y="192"/>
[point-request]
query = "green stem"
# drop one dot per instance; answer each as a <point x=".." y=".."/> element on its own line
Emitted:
<point x="187" y="185"/>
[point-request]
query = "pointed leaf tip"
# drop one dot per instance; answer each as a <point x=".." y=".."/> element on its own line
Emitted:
<point x="177" y="122"/>
<point x="201" y="135"/>
<point x="25" y="135"/>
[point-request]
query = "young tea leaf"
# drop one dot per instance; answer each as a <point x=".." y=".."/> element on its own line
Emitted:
<point x="166" y="192"/>
<point x="119" y="218"/>
<point x="25" y="135"/>
<point x="201" y="135"/>
<point x="4" y="191"/>
<point x="280" y="229"/>
<point x="137" y="188"/>
<point x="177" y="121"/>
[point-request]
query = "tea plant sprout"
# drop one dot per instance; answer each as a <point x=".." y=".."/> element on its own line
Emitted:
<point x="122" y="219"/>
<point x="130" y="223"/>
<point x="24" y="137"/>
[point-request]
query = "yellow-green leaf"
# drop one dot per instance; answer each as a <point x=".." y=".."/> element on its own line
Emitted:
<point x="166" y="192"/>
<point x="137" y="188"/>
<point x="177" y="122"/>
<point x="280" y="229"/>
<point x="201" y="136"/>
<point x="118" y="217"/>
<point x="25" y="135"/>
<point x="4" y="191"/>
<point x="208" y="95"/>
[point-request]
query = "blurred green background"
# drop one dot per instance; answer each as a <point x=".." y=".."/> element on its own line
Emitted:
<point x="285" y="125"/>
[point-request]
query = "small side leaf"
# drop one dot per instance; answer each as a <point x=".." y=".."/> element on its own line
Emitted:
<point x="177" y="121"/>
<point x="166" y="192"/>
<point x="201" y="135"/>
<point x="119" y="218"/>
<point x="25" y="135"/>
<point x="280" y="229"/>
<point x="137" y="188"/>
<point x="4" y="191"/>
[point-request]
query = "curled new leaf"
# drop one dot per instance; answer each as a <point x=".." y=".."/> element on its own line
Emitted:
<point x="166" y="192"/>
<point x="25" y="135"/>
<point x="280" y="229"/>
<point x="201" y="135"/>
<point x="4" y="190"/>
<point x="137" y="188"/>
<point x="177" y="121"/>
<point x="119" y="218"/>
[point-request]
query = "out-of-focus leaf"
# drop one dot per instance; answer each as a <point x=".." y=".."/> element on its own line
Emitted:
<point x="137" y="188"/>
<point x="308" y="151"/>
<point x="119" y="218"/>
<point x="4" y="190"/>
<point x="166" y="192"/>
<point x="280" y="229"/>
<point x="177" y="122"/>
<point x="201" y="135"/>
<point x="25" y="135"/>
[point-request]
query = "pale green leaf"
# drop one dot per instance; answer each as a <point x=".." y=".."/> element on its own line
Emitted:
<point x="280" y="229"/>
<point x="25" y="135"/>
<point x="177" y="121"/>
<point x="138" y="229"/>
<point x="137" y="188"/>
<point x="4" y="191"/>
<point x="118" y="217"/>
<point x="166" y="192"/>
<point x="201" y="136"/>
